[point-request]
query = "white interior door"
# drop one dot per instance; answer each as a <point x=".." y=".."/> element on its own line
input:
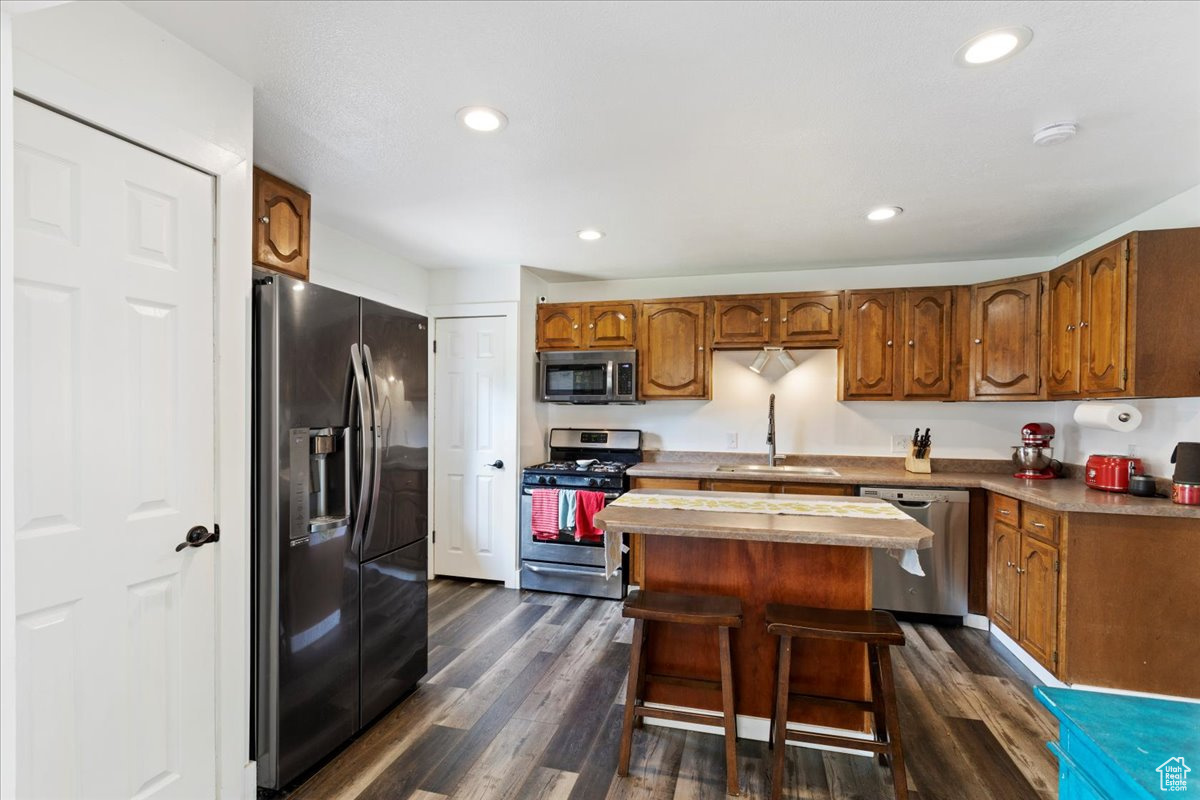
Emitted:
<point x="474" y="428"/>
<point x="115" y="635"/>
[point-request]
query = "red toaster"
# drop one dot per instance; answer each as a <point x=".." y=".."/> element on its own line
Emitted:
<point x="1111" y="473"/>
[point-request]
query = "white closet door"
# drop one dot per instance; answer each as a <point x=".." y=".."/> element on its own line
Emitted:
<point x="474" y="498"/>
<point x="116" y="655"/>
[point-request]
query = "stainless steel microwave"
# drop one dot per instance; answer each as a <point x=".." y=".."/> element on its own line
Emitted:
<point x="588" y="376"/>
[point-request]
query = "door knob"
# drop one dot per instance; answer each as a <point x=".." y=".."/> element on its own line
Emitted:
<point x="498" y="464"/>
<point x="199" y="535"/>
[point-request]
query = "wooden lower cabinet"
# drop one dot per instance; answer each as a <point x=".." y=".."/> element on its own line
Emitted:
<point x="1039" y="601"/>
<point x="1004" y="550"/>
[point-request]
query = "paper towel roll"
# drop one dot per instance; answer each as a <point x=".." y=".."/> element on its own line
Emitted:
<point x="1108" y="416"/>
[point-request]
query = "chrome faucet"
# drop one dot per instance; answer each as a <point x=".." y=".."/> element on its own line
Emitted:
<point x="771" y="432"/>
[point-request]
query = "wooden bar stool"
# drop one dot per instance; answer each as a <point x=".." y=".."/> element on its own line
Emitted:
<point x="878" y="630"/>
<point x="716" y="611"/>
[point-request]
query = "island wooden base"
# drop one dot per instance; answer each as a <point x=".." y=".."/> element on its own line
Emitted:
<point x="760" y="573"/>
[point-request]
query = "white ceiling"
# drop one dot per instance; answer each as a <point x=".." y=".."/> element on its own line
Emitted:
<point x="712" y="137"/>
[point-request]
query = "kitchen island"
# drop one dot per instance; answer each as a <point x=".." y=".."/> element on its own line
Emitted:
<point x="817" y="553"/>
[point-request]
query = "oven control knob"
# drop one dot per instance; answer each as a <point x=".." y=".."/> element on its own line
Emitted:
<point x="541" y="479"/>
<point x="552" y="481"/>
<point x="593" y="482"/>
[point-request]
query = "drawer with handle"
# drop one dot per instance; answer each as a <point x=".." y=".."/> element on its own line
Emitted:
<point x="1005" y="509"/>
<point x="1040" y="523"/>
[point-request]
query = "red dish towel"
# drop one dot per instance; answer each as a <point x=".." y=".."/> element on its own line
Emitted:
<point x="587" y="505"/>
<point x="544" y="519"/>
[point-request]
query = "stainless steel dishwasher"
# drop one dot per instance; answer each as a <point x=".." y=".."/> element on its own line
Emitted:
<point x="943" y="590"/>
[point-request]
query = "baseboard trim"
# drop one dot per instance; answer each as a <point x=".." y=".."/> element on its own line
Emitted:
<point x="757" y="729"/>
<point x="1039" y="672"/>
<point x="977" y="621"/>
<point x="1131" y="693"/>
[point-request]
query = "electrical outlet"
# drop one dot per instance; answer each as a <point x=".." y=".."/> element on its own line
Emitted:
<point x="900" y="442"/>
<point x="731" y="440"/>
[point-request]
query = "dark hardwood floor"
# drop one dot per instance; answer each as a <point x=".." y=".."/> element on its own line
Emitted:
<point x="523" y="700"/>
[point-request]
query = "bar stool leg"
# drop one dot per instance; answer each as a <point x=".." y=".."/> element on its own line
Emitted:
<point x="638" y="722"/>
<point x="635" y="670"/>
<point x="780" y="715"/>
<point x="879" y="712"/>
<point x="731" y="771"/>
<point x="899" y="779"/>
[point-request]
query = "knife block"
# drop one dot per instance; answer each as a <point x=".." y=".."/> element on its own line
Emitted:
<point x="918" y="465"/>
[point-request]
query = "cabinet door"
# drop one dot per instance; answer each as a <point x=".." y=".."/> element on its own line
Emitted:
<point x="674" y="359"/>
<point x="741" y="322"/>
<point x="927" y="351"/>
<point x="827" y="489"/>
<point x="809" y="319"/>
<point x="757" y="487"/>
<point x="281" y="219"/>
<point x="1039" y="601"/>
<point x="1062" y="330"/>
<point x="1005" y="549"/>
<point x="1102" y="327"/>
<point x="1004" y="339"/>
<point x="609" y="326"/>
<point x="868" y="356"/>
<point x="558" y="327"/>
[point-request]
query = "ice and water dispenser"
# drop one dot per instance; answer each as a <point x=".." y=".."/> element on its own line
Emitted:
<point x="321" y="483"/>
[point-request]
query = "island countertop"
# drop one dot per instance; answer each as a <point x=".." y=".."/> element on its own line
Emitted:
<point x="906" y="534"/>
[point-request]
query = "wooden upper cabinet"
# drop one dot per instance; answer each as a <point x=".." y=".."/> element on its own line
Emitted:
<point x="1003" y="585"/>
<point x="609" y="326"/>
<point x="1039" y="601"/>
<point x="674" y="361"/>
<point x="868" y="352"/>
<point x="1102" y="338"/>
<point x="1005" y="356"/>
<point x="1061" y="327"/>
<point x="809" y="319"/>
<point x="927" y="346"/>
<point x="741" y="322"/>
<point x="559" y="327"/>
<point x="281" y="225"/>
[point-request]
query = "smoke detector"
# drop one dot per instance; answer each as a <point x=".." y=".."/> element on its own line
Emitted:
<point x="1054" y="133"/>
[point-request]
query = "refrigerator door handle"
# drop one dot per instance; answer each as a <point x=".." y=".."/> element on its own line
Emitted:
<point x="366" y="430"/>
<point x="376" y="442"/>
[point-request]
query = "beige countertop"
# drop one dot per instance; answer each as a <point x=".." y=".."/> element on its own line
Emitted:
<point x="792" y="528"/>
<point x="1064" y="494"/>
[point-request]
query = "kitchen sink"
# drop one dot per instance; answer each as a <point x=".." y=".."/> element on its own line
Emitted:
<point x="825" y="472"/>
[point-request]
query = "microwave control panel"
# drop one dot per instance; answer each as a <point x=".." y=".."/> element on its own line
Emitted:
<point x="624" y="379"/>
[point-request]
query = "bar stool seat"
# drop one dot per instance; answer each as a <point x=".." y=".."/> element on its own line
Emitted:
<point x="715" y="611"/>
<point x="879" y="631"/>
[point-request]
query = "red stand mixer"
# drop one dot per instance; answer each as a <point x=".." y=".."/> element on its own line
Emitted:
<point x="1034" y="454"/>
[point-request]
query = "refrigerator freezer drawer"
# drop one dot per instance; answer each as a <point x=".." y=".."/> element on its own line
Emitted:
<point x="395" y="609"/>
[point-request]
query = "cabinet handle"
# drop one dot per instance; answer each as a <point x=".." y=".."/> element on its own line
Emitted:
<point x="576" y="325"/>
<point x="591" y="325"/>
<point x="264" y="220"/>
<point x="1070" y="327"/>
<point x="889" y="342"/>
<point x="1038" y="525"/>
<point x="1020" y="571"/>
<point x="911" y="343"/>
<point x="766" y="319"/>
<point x="1011" y="564"/>
<point x="1082" y="324"/>
<point x="1005" y="512"/>
<point x="783" y="320"/>
<point x="979" y="341"/>
<point x="701" y="349"/>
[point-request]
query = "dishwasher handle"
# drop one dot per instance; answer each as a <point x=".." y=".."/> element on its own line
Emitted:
<point x="914" y="503"/>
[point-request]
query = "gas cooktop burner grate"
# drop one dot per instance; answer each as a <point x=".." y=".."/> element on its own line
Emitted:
<point x="605" y="467"/>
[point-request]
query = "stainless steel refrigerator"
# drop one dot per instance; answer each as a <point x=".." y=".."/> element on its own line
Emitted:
<point x="340" y="486"/>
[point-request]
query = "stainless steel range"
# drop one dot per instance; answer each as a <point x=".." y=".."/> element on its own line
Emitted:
<point x="580" y="460"/>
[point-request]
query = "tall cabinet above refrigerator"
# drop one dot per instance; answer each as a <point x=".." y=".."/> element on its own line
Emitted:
<point x="340" y="488"/>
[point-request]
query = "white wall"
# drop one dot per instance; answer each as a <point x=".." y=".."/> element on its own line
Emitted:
<point x="496" y="285"/>
<point x="109" y="66"/>
<point x="8" y="722"/>
<point x="811" y="420"/>
<point x="342" y="262"/>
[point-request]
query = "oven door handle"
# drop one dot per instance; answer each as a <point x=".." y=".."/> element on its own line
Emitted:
<point x="542" y="569"/>
<point x="608" y="496"/>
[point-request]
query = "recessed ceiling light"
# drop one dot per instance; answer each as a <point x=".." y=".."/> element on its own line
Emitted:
<point x="1055" y="133"/>
<point x="482" y="118"/>
<point x="990" y="47"/>
<point x="884" y="213"/>
<point x="590" y="234"/>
